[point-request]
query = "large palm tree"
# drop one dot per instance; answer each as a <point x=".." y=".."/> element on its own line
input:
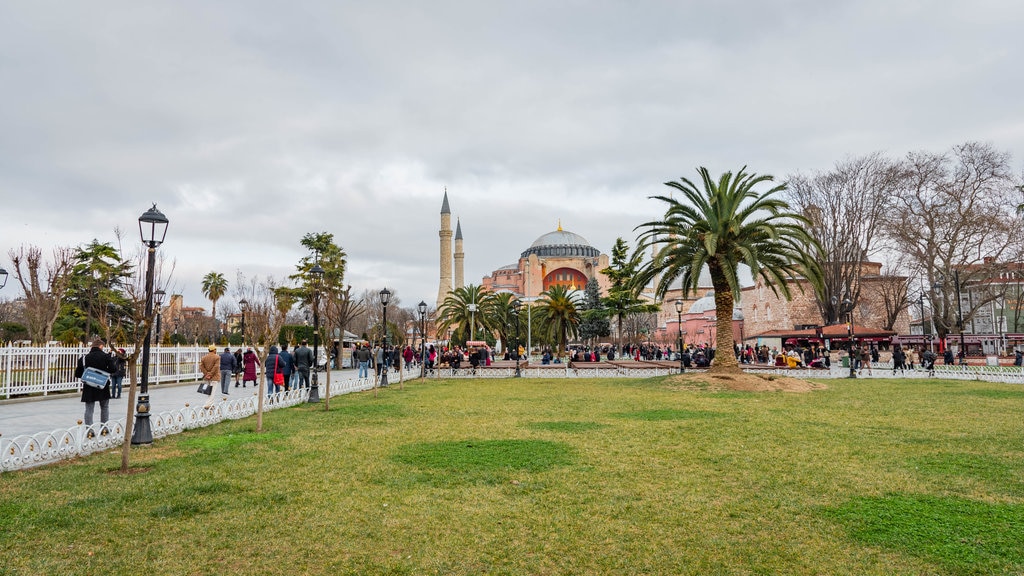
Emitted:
<point x="721" y="225"/>
<point x="559" y="316"/>
<point x="456" y="312"/>
<point x="214" y="287"/>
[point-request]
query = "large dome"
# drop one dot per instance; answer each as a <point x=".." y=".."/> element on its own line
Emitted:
<point x="561" y="243"/>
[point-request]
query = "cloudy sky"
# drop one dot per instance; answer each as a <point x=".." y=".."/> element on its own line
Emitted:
<point x="251" y="123"/>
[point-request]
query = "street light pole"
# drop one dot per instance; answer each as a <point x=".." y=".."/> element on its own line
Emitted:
<point x="3" y="277"/>
<point x="853" y="338"/>
<point x="385" y="297"/>
<point x="472" y="320"/>
<point x="960" y="317"/>
<point x="243" y="305"/>
<point x="517" y="305"/>
<point x="316" y="274"/>
<point x="152" y="225"/>
<point x="422" y="307"/>
<point x="679" y="327"/>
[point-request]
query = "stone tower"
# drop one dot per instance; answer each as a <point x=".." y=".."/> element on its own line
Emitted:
<point x="446" y="251"/>
<point x="459" y="256"/>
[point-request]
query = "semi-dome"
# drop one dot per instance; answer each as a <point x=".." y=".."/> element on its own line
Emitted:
<point x="561" y="243"/>
<point x="706" y="303"/>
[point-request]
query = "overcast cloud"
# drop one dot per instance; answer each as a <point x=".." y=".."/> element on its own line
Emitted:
<point x="251" y="123"/>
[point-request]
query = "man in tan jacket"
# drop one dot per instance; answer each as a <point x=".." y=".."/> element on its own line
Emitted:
<point x="209" y="365"/>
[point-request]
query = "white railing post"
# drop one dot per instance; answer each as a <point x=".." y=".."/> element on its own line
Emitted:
<point x="8" y="362"/>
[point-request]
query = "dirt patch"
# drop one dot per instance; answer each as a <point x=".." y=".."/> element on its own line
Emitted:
<point x="743" y="382"/>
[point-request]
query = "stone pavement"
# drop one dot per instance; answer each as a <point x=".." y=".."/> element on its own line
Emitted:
<point x="27" y="416"/>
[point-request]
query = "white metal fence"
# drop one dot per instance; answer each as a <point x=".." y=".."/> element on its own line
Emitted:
<point x="42" y="370"/>
<point x="27" y="451"/>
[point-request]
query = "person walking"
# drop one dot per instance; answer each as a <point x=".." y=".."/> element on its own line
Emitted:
<point x="381" y="359"/>
<point x="120" y="371"/>
<point x="250" y="363"/>
<point x="272" y="368"/>
<point x="238" y="365"/>
<point x="98" y="359"/>
<point x="303" y="358"/>
<point x="209" y="365"/>
<point x="227" y="368"/>
<point x="865" y="360"/>
<point x="899" y="359"/>
<point x="287" y="365"/>
<point x="362" y="356"/>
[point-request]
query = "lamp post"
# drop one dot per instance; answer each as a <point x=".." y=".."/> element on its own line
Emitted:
<point x="940" y="285"/>
<point x="152" y="230"/>
<point x="679" y="327"/>
<point x="472" y="320"/>
<point x="385" y="297"/>
<point x="158" y="301"/>
<point x="850" y="332"/>
<point x="960" y="318"/>
<point x="3" y="277"/>
<point x="316" y="276"/>
<point x="422" y="307"/>
<point x="517" y="305"/>
<point x="243" y="305"/>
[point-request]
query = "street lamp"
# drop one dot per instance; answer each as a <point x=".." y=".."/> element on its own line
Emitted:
<point x="158" y="301"/>
<point x="152" y="230"/>
<point x="316" y="275"/>
<point x="422" y="307"/>
<point x="847" y="303"/>
<point x="3" y="277"/>
<point x="679" y="326"/>
<point x="385" y="297"/>
<point x="243" y="305"/>
<point x="472" y="319"/>
<point x="940" y="285"/>
<point x="960" y="317"/>
<point x="517" y="305"/>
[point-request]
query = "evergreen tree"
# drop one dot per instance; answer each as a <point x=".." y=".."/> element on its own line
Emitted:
<point x="595" y="322"/>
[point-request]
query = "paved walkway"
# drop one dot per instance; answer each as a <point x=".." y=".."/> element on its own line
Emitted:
<point x="61" y="411"/>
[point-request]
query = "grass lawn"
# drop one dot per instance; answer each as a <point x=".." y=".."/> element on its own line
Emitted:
<point x="552" y="477"/>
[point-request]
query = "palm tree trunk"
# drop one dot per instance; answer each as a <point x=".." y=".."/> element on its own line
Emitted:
<point x="725" y="357"/>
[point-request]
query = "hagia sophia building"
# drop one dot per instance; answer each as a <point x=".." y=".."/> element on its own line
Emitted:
<point x="561" y="257"/>
<point x="558" y="257"/>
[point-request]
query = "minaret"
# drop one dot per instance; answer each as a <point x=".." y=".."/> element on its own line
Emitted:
<point x="446" y="251"/>
<point x="459" y="256"/>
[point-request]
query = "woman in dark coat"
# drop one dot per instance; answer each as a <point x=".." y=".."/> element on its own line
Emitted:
<point x="273" y="365"/>
<point x="96" y="358"/>
<point x="250" y="361"/>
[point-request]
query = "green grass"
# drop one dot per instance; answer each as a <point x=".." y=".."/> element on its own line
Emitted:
<point x="552" y="477"/>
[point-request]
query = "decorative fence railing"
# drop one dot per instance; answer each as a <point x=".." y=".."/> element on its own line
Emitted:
<point x="33" y="450"/>
<point x="27" y="451"/>
<point x="42" y="370"/>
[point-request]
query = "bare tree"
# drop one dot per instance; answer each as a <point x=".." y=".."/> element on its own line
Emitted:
<point x="845" y="206"/>
<point x="43" y="284"/>
<point x="894" y="291"/>
<point x="954" y="216"/>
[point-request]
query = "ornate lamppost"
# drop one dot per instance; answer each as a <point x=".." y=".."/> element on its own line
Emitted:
<point x="316" y="275"/>
<point x="679" y="325"/>
<point x="243" y="305"/>
<point x="960" y="317"/>
<point x="852" y="336"/>
<point x="516" y="307"/>
<point x="385" y="297"/>
<point x="422" y="307"/>
<point x="472" y="319"/>
<point x="152" y="230"/>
